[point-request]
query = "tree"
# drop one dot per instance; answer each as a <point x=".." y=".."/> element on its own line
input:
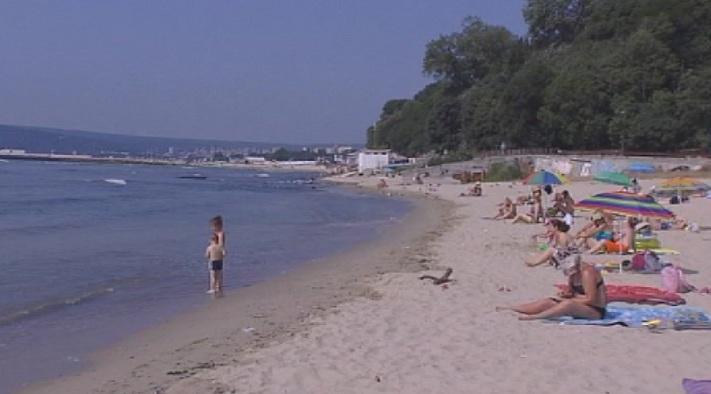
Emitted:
<point x="554" y="22"/>
<point x="468" y="56"/>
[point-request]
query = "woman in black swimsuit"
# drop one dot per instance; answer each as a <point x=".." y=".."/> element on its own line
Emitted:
<point x="585" y="298"/>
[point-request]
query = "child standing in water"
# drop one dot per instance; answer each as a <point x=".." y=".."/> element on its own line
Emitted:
<point x="218" y="231"/>
<point x="215" y="254"/>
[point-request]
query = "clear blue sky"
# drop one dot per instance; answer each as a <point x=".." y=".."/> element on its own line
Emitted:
<point x="258" y="70"/>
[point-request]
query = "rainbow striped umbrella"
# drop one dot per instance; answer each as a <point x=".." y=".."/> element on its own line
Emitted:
<point x="626" y="204"/>
<point x="543" y="177"/>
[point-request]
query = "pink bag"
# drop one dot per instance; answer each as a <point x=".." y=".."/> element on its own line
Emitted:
<point x="673" y="280"/>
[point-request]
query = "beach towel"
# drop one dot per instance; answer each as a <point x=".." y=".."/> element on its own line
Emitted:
<point x="693" y="386"/>
<point x="634" y="294"/>
<point x="634" y="316"/>
<point x="665" y="251"/>
<point x="614" y="267"/>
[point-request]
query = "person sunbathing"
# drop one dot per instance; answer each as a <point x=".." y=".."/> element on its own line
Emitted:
<point x="561" y="245"/>
<point x="568" y="207"/>
<point x="599" y="228"/>
<point x="535" y="215"/>
<point x="584" y="298"/>
<point x="474" y="191"/>
<point x="658" y="224"/>
<point x="507" y="210"/>
<point x="620" y="243"/>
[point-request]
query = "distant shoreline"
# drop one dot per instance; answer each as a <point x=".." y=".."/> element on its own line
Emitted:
<point x="268" y="166"/>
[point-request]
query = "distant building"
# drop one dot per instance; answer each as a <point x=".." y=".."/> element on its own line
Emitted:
<point x="373" y="159"/>
<point x="12" y="152"/>
<point x="255" y="160"/>
<point x="344" y="149"/>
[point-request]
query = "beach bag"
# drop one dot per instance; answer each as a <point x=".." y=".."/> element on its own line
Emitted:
<point x="673" y="280"/>
<point x="646" y="261"/>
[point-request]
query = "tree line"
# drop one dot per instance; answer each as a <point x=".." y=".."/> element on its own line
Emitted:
<point x="588" y="75"/>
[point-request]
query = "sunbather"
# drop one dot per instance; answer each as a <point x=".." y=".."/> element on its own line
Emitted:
<point x="474" y="191"/>
<point x="507" y="210"/>
<point x="658" y="224"/>
<point x="585" y="298"/>
<point x="599" y="228"/>
<point x="561" y="246"/>
<point x="620" y="243"/>
<point x="536" y="214"/>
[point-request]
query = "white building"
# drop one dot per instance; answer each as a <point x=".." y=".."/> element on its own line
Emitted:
<point x="373" y="159"/>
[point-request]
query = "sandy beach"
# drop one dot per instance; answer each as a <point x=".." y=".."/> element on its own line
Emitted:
<point x="378" y="329"/>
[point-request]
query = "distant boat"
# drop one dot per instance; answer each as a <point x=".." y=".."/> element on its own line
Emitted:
<point x="116" y="181"/>
<point x="193" y="176"/>
<point x="4" y="161"/>
<point x="263" y="175"/>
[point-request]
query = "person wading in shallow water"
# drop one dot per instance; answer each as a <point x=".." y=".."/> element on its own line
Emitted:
<point x="218" y="230"/>
<point x="215" y="254"/>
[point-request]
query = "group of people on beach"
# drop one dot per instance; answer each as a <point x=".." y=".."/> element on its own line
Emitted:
<point x="563" y="204"/>
<point x="585" y="295"/>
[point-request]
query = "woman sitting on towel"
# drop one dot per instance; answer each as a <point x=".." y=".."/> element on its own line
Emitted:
<point x="561" y="246"/>
<point x="585" y="297"/>
<point x="620" y="243"/>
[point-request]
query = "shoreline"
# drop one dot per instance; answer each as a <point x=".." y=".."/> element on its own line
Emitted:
<point x="268" y="312"/>
<point x="266" y="167"/>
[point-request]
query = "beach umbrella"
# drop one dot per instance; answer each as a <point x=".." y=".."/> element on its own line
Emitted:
<point x="543" y="177"/>
<point x="626" y="204"/>
<point x="684" y="182"/>
<point x="615" y="178"/>
<point x="681" y="185"/>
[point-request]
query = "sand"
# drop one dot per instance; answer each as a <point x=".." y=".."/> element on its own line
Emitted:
<point x="410" y="336"/>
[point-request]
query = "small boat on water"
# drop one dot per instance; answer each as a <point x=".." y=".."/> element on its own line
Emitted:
<point x="114" y="181"/>
<point x="262" y="175"/>
<point x="193" y="176"/>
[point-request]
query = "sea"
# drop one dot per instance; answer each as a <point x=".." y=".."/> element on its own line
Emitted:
<point x="91" y="253"/>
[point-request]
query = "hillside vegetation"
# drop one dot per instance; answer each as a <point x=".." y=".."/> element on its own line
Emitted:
<point x="590" y="74"/>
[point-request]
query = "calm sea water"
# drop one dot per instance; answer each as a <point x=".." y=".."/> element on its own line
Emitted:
<point x="84" y="262"/>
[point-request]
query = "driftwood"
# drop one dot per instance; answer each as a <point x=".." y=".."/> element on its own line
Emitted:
<point x="438" y="281"/>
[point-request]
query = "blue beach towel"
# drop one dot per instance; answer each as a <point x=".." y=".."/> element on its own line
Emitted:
<point x="633" y="316"/>
<point x="692" y="386"/>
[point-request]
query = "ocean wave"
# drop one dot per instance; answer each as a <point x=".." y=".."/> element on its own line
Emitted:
<point x="45" y="307"/>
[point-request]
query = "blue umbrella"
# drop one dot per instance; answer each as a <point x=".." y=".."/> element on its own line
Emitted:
<point x="543" y="177"/>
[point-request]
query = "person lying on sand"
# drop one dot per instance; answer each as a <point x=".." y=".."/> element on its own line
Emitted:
<point x="599" y="228"/>
<point x="658" y="224"/>
<point x="585" y="297"/>
<point x="562" y="245"/>
<point x="507" y="210"/>
<point x="474" y="191"/>
<point x="535" y="215"/>
<point x="620" y="243"/>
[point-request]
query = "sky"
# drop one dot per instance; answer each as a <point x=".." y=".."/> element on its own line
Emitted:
<point x="300" y="71"/>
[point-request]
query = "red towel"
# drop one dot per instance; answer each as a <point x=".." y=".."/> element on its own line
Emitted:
<point x="638" y="294"/>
